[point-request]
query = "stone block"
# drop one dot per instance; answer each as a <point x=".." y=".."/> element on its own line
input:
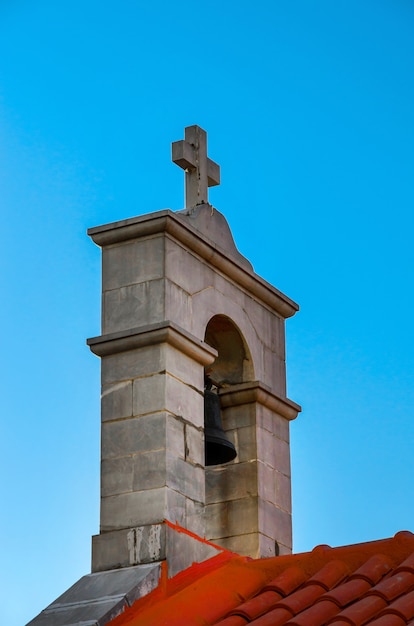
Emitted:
<point x="273" y="451"/>
<point x="274" y="372"/>
<point x="283" y="550"/>
<point x="283" y="492"/>
<point x="185" y="478"/>
<point x="273" y="423"/>
<point x="139" y="434"/>
<point x="245" y="545"/>
<point x="117" y="476"/>
<point x="267" y="546"/>
<point x="162" y="392"/>
<point x="132" y="262"/>
<point x="238" y="416"/>
<point x="193" y="275"/>
<point x="176" y="507"/>
<point x="128" y="547"/>
<point x="216" y="520"/>
<point x="116" y="401"/>
<point x="177" y="305"/>
<point x="195" y="517"/>
<point x="245" y="442"/>
<point x="236" y="517"/>
<point x="132" y="364"/>
<point x="133" y="306"/>
<point x="137" y="508"/>
<point x="128" y="510"/>
<point x="175" y="436"/>
<point x="276" y="523"/>
<point x="149" y="470"/>
<point x="194" y="445"/>
<point x="266" y="482"/>
<point x="231" y="482"/>
<point x="183" y="367"/>
<point x="146" y="543"/>
<point x="184" y="550"/>
<point x="224" y="286"/>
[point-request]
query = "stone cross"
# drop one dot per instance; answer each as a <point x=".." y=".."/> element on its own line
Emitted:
<point x="200" y="171"/>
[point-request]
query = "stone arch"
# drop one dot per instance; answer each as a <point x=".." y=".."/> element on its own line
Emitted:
<point x="234" y="364"/>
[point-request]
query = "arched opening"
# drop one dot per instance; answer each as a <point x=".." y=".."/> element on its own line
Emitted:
<point x="231" y="367"/>
<point x="234" y="363"/>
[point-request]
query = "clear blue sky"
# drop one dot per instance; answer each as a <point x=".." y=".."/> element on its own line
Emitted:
<point x="309" y="111"/>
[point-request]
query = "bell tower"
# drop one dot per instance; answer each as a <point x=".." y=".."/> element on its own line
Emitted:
<point x="184" y="316"/>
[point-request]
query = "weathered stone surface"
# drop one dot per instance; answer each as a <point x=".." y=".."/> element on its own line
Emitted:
<point x="182" y="367"/>
<point x="176" y="508"/>
<point x="139" y="434"/>
<point x="266" y="482"/>
<point x="175" y="437"/>
<point x="165" y="270"/>
<point x="274" y="372"/>
<point x="132" y="364"/>
<point x="162" y="392"/>
<point x="183" y="551"/>
<point x="116" y="401"/>
<point x="132" y="262"/>
<point x="128" y="546"/>
<point x="98" y="598"/>
<point x="133" y="509"/>
<point x="134" y="305"/>
<point x="274" y="522"/>
<point x="234" y="517"/>
<point x="283" y="488"/>
<point x="273" y="451"/>
<point x="195" y="517"/>
<point x="238" y="416"/>
<point x="245" y="442"/>
<point x="185" y="478"/>
<point x="149" y="470"/>
<point x="213" y="225"/>
<point x="117" y="476"/>
<point x="178" y="306"/>
<point x="194" y="445"/>
<point x="272" y="422"/>
<point x="245" y="545"/>
<point x="180" y="262"/>
<point x="231" y="482"/>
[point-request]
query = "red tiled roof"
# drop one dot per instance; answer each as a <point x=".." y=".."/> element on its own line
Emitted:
<point x="368" y="583"/>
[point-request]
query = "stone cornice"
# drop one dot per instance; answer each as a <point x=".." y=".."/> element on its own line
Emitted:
<point x="256" y="391"/>
<point x="175" y="225"/>
<point x="163" y="332"/>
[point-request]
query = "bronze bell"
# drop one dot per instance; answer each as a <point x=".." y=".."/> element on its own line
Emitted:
<point x="218" y="449"/>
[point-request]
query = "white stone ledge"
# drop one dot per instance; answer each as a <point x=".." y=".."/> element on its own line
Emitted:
<point x="152" y="334"/>
<point x="256" y="391"/>
<point x="177" y="226"/>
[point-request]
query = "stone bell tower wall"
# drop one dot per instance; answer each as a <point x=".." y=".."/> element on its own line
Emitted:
<point x="165" y="276"/>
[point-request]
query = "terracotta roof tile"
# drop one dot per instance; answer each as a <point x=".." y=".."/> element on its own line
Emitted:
<point x="301" y="599"/>
<point x="360" y="612"/>
<point x="368" y="584"/>
<point x="330" y="575"/>
<point x="233" y="620"/>
<point x="374" y="569"/>
<point x="277" y="617"/>
<point x="348" y="592"/>
<point x="395" y="585"/>
<point x="390" y="620"/>
<point x="407" y="565"/>
<point x="315" y="615"/>
<point x="258" y="605"/>
<point x="287" y="581"/>
<point x="404" y="606"/>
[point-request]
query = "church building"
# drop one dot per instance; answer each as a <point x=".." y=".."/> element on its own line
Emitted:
<point x="195" y="516"/>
